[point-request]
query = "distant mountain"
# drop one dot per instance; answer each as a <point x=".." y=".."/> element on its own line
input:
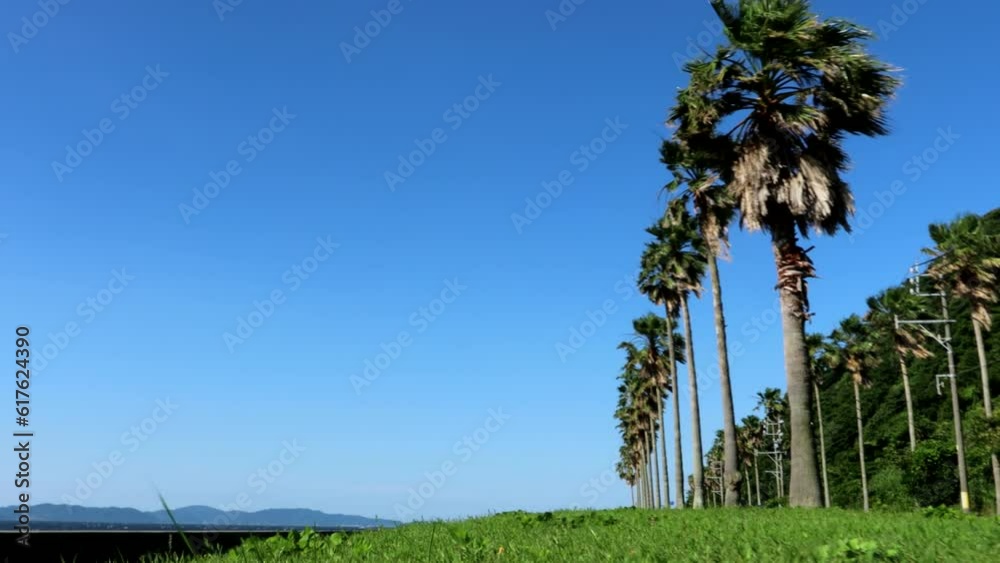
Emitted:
<point x="199" y="517"/>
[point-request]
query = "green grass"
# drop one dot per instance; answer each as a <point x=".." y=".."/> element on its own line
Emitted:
<point x="642" y="535"/>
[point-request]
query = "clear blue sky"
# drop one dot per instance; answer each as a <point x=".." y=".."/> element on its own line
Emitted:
<point x="196" y="88"/>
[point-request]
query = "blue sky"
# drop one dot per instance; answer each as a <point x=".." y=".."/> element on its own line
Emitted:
<point x="133" y="279"/>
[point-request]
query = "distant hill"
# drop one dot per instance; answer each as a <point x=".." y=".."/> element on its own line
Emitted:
<point x="194" y="517"/>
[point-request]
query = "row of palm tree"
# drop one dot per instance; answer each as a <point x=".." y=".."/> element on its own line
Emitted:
<point x="857" y="346"/>
<point x="758" y="135"/>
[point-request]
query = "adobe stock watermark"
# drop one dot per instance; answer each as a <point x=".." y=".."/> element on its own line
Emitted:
<point x="597" y="486"/>
<point x="87" y="310"/>
<point x="257" y="482"/>
<point x="292" y="278"/>
<point x="249" y="149"/>
<point x="421" y="320"/>
<point x="132" y="439"/>
<point x="364" y="34"/>
<point x="122" y="107"/>
<point x="582" y="158"/>
<point x="31" y="25"/>
<point x="562" y="12"/>
<point x="698" y="45"/>
<point x="901" y="14"/>
<point x="223" y="7"/>
<point x="456" y="115"/>
<point x="579" y="334"/>
<point x="463" y="450"/>
<point x="751" y="331"/>
<point x="914" y="168"/>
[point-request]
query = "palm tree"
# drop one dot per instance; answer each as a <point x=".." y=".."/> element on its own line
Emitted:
<point x="634" y="423"/>
<point x="815" y="344"/>
<point x="754" y="440"/>
<point x="656" y="282"/>
<point x="967" y="264"/>
<point x="647" y="394"/>
<point x="795" y="87"/>
<point x="652" y="331"/>
<point x="685" y="264"/>
<point x="883" y="310"/>
<point x="852" y="349"/>
<point x="745" y="443"/>
<point x="772" y="401"/>
<point x="713" y="211"/>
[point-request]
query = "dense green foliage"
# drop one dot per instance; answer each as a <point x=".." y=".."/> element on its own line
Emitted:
<point x="927" y="477"/>
<point x="899" y="479"/>
<point x="648" y="535"/>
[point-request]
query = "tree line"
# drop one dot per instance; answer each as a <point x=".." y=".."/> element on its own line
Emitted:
<point x="757" y="140"/>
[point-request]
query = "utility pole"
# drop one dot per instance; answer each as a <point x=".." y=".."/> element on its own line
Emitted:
<point x="774" y="430"/>
<point x="945" y="342"/>
<point x="717" y="473"/>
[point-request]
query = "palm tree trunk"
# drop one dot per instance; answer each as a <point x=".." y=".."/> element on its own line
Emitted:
<point x="638" y="484"/>
<point x="645" y="483"/>
<point x="663" y="445"/>
<point x="678" y="455"/>
<point x="732" y="475"/>
<point x="749" y="492"/>
<point x="697" y="496"/>
<point x="643" y="499"/>
<point x="756" y="478"/>
<point x="861" y="446"/>
<point x="631" y="493"/>
<point x="909" y="399"/>
<point x="804" y="486"/>
<point x="988" y="407"/>
<point x="822" y="446"/>
<point x="656" y="462"/>
<point x="647" y="502"/>
<point x="649" y="471"/>
<point x="649" y="484"/>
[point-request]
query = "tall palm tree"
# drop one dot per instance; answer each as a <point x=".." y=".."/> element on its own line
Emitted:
<point x="656" y="282"/>
<point x="651" y="330"/>
<point x="795" y="86"/>
<point x="851" y="349"/>
<point x="745" y="443"/>
<point x="685" y="263"/>
<point x="713" y="210"/>
<point x="967" y="265"/>
<point x="754" y="440"/>
<point x="816" y="344"/>
<point x="883" y="310"/>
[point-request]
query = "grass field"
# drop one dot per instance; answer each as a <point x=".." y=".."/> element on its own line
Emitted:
<point x="642" y="535"/>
